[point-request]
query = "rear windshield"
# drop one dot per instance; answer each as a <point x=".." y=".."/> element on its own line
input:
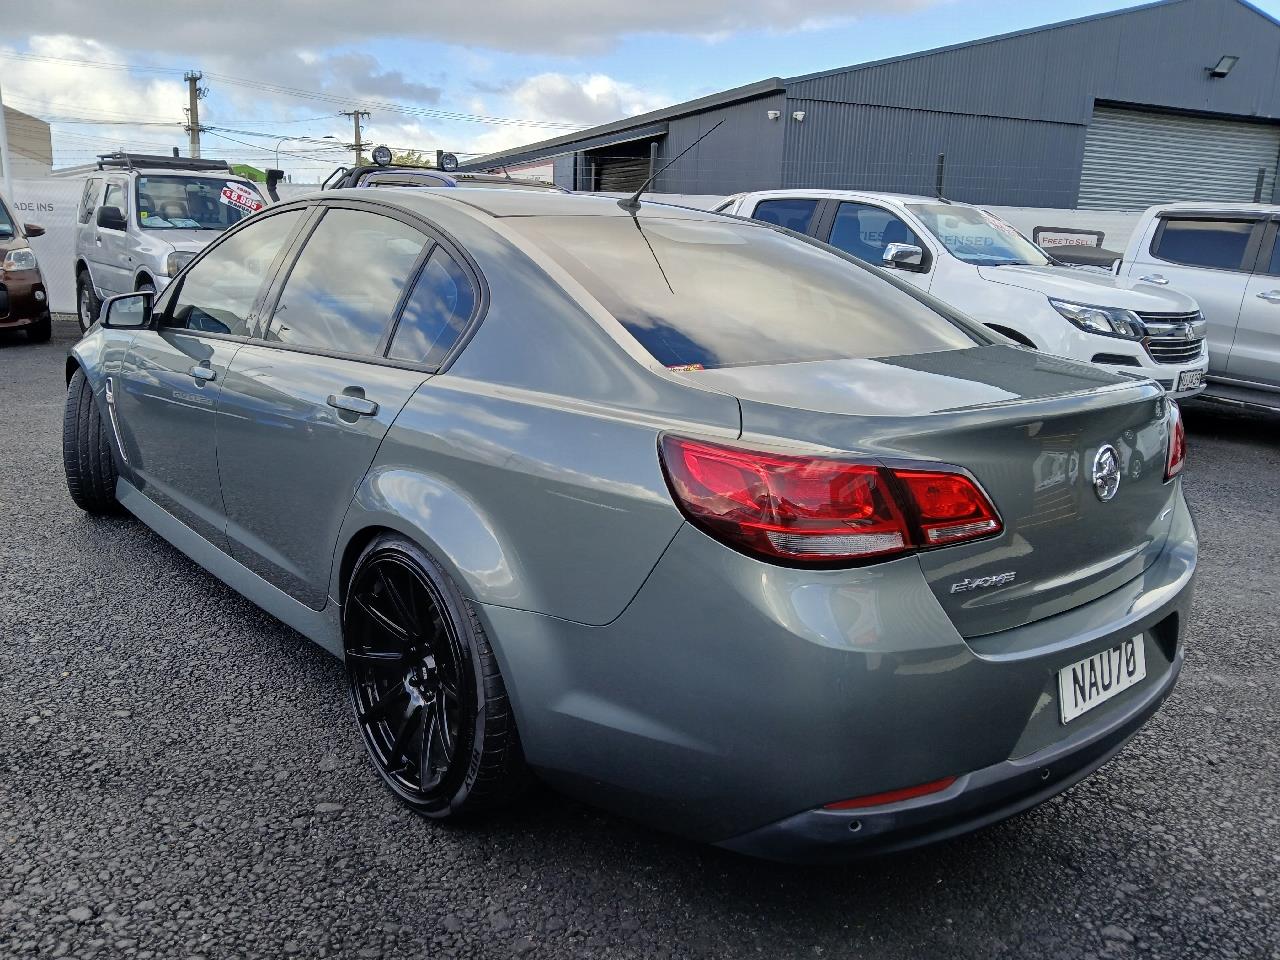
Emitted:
<point x="717" y="293"/>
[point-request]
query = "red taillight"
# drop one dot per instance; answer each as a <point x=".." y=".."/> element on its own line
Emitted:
<point x="813" y="510"/>
<point x="1177" y="443"/>
<point x="892" y="796"/>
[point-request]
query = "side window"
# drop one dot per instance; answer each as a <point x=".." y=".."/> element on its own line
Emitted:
<point x="115" y="197"/>
<point x="88" y="198"/>
<point x="218" y="293"/>
<point x="794" y="213"/>
<point x="1219" y="244"/>
<point x="864" y="231"/>
<point x="1273" y="267"/>
<point x="436" y="312"/>
<point x="344" y="286"/>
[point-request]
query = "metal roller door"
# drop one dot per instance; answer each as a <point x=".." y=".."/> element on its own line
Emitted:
<point x="1134" y="159"/>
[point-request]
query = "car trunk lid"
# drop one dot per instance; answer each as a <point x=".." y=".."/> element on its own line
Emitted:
<point x="1028" y="428"/>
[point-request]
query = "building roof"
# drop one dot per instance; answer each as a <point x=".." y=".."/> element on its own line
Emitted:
<point x="654" y="123"/>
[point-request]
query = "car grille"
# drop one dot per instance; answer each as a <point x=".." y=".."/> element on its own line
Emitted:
<point x="1174" y="337"/>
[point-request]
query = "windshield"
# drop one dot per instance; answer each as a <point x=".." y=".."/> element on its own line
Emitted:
<point x="699" y="294"/>
<point x="978" y="237"/>
<point x="194" y="203"/>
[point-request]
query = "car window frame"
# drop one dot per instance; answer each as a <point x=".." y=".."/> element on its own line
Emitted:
<point x="89" y="199"/>
<point x="1248" y="260"/>
<point x="123" y="184"/>
<point x="1267" y="248"/>
<point x="815" y="218"/>
<point x="926" y="264"/>
<point x="435" y="237"/>
<point x="162" y="308"/>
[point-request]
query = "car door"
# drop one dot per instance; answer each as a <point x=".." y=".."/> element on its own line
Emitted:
<point x="1255" y="352"/>
<point x="1209" y="257"/>
<point x="305" y="407"/>
<point x="166" y="392"/>
<point x="110" y="256"/>
<point x="86" y="222"/>
<point x="865" y="229"/>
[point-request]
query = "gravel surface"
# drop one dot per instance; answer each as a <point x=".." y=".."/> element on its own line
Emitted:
<point x="180" y="777"/>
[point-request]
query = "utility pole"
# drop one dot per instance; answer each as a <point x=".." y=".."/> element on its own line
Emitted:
<point x="358" y="144"/>
<point x="194" y="95"/>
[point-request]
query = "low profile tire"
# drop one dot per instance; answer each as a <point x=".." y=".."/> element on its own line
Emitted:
<point x="86" y="450"/>
<point x="87" y="302"/>
<point x="40" y="331"/>
<point x="425" y="686"/>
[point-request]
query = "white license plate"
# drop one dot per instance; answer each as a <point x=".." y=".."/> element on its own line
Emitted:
<point x="1094" y="680"/>
<point x="1190" y="379"/>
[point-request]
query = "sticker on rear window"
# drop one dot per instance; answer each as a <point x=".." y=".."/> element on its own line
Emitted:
<point x="686" y="367"/>
<point x="234" y="195"/>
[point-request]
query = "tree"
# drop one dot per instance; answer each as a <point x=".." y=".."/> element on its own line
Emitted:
<point x="411" y="158"/>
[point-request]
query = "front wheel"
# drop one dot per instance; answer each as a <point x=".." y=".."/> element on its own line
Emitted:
<point x="86" y="450"/>
<point x="87" y="303"/>
<point x="425" y="686"/>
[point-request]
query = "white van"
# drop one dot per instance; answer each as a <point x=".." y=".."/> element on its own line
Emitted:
<point x="973" y="260"/>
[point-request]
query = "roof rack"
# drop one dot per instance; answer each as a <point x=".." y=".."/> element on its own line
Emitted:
<point x="134" y="161"/>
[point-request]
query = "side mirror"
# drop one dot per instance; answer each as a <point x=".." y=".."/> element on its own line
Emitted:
<point x="128" y="311"/>
<point x="33" y="230"/>
<point x="111" y="218"/>
<point x="902" y="256"/>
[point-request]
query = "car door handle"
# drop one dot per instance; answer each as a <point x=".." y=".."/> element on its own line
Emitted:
<point x="203" y="374"/>
<point x="1271" y="296"/>
<point x="357" y="405"/>
<point x="1155" y="278"/>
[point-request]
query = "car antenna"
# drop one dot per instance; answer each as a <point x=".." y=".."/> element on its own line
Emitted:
<point x="632" y="203"/>
<point x="507" y="173"/>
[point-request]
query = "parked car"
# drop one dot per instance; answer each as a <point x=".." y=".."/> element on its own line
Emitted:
<point x="24" y="301"/>
<point x="694" y="518"/>
<point x="982" y="266"/>
<point x="389" y="174"/>
<point x="1226" y="256"/>
<point x="142" y="218"/>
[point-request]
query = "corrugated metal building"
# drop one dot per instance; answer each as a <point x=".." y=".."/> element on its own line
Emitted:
<point x="1173" y="100"/>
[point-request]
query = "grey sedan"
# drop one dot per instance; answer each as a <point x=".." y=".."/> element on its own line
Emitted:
<point x="689" y="516"/>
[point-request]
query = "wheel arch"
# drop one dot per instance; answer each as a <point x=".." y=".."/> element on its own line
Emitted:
<point x="142" y="279"/>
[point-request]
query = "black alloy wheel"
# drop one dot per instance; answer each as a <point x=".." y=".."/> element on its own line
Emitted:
<point x="424" y="685"/>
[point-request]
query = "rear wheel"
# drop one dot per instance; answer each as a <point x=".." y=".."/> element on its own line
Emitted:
<point x="87" y="303"/>
<point x="425" y="686"/>
<point x="86" y="450"/>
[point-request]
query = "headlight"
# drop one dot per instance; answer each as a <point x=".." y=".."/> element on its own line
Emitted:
<point x="21" y="259"/>
<point x="176" y="261"/>
<point x="1108" y="321"/>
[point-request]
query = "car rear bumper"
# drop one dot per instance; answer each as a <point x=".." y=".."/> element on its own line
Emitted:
<point x="733" y="699"/>
<point x="974" y="800"/>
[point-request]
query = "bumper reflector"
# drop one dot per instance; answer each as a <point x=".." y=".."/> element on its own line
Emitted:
<point x="892" y="796"/>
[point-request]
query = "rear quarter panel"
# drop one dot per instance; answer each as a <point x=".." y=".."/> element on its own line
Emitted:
<point x="529" y="469"/>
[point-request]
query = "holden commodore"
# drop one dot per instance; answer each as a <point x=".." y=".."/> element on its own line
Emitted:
<point x="689" y="516"/>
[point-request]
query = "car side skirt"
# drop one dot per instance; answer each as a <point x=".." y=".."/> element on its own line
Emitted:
<point x="322" y="626"/>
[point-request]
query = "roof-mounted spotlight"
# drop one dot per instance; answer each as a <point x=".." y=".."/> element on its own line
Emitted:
<point x="1223" y="67"/>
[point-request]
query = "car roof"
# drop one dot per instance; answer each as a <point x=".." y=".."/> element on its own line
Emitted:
<point x="1228" y="206"/>
<point x="499" y="202"/>
<point x="843" y="195"/>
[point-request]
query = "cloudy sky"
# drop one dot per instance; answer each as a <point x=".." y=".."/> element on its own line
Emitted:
<point x="465" y="77"/>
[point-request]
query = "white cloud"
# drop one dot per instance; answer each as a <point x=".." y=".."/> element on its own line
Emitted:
<point x="564" y="26"/>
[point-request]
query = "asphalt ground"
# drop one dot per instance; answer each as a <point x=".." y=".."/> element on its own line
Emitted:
<point x="180" y="777"/>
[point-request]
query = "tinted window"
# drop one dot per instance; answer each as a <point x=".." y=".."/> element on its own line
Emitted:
<point x="1204" y="243"/>
<point x="435" y="313"/>
<point x="864" y="231"/>
<point x="345" y="285"/>
<point x="715" y="293"/>
<point x="87" y="198"/>
<point x="1274" y="267"/>
<point x="217" y="294"/>
<point x="793" y="213"/>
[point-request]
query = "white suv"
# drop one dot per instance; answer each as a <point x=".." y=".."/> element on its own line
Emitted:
<point x="983" y="267"/>
<point x="1226" y="256"/>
